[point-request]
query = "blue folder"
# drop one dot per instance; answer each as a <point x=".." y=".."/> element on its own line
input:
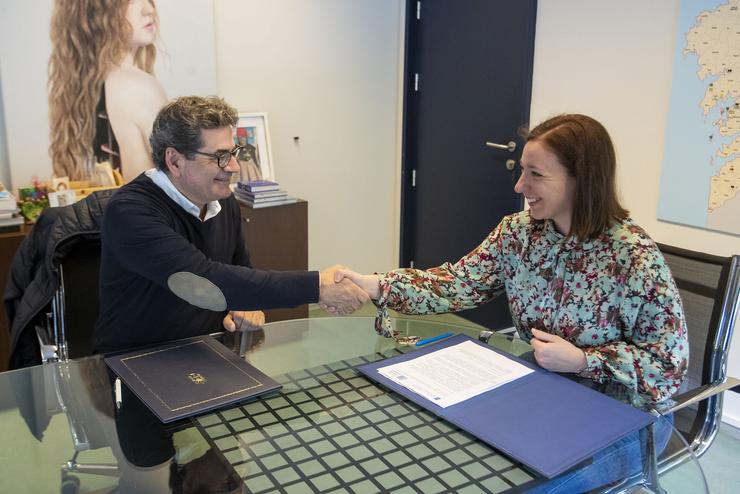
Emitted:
<point x="543" y="420"/>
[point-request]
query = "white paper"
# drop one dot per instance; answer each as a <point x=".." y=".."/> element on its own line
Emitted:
<point x="456" y="373"/>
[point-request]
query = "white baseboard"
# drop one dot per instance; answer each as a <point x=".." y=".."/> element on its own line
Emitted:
<point x="731" y="409"/>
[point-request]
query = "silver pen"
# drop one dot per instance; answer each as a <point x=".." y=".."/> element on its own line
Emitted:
<point x="117" y="391"/>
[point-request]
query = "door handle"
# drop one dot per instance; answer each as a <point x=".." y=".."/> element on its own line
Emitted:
<point x="510" y="147"/>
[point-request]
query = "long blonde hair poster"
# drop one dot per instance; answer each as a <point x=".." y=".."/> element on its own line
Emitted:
<point x="82" y="80"/>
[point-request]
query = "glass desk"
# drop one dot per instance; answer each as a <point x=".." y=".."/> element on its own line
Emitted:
<point x="329" y="430"/>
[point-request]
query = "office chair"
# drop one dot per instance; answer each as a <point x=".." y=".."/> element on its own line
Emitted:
<point x="52" y="284"/>
<point x="73" y="310"/>
<point x="52" y="303"/>
<point x="710" y="292"/>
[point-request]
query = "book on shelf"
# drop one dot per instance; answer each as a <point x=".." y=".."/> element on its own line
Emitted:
<point x="8" y="204"/>
<point x="287" y="200"/>
<point x="266" y="204"/>
<point x="8" y="213"/>
<point x="258" y="186"/>
<point x="12" y="223"/>
<point x="261" y="197"/>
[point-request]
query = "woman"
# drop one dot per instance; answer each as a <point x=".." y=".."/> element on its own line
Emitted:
<point x="102" y="95"/>
<point x="586" y="286"/>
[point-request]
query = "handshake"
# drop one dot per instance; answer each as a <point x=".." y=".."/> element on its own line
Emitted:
<point x="343" y="291"/>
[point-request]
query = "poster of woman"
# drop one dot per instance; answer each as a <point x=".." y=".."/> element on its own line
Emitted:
<point x="103" y="96"/>
<point x="97" y="71"/>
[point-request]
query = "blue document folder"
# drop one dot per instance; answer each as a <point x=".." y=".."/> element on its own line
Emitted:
<point x="543" y="420"/>
<point x="187" y="377"/>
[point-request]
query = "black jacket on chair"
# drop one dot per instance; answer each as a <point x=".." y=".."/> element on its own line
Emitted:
<point x="34" y="272"/>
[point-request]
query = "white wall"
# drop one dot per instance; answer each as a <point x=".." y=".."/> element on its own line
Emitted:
<point x="185" y="65"/>
<point x="326" y="71"/>
<point x="4" y="160"/>
<point x="613" y="61"/>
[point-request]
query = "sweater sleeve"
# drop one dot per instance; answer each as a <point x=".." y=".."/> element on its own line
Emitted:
<point x="144" y="243"/>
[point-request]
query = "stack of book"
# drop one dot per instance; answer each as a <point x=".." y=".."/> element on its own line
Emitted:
<point x="261" y="194"/>
<point x="10" y="217"/>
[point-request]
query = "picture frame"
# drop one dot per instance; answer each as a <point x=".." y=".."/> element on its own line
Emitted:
<point x="255" y="161"/>
<point x="62" y="198"/>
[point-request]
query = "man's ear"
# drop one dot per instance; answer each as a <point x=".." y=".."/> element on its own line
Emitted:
<point x="173" y="160"/>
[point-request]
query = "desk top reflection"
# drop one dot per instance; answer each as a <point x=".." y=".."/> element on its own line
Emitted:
<point x="329" y="430"/>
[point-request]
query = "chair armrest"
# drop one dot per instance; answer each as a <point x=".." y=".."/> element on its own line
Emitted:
<point x="701" y="393"/>
<point x="48" y="349"/>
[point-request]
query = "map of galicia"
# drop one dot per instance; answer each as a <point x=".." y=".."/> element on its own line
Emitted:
<point x="700" y="182"/>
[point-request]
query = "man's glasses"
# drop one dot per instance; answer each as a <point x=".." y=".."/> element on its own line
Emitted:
<point x="223" y="158"/>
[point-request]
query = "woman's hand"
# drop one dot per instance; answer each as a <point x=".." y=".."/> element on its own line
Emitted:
<point x="557" y="354"/>
<point x="238" y="320"/>
<point x="370" y="283"/>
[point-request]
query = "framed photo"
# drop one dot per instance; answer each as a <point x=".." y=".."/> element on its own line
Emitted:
<point x="60" y="184"/>
<point x="255" y="160"/>
<point x="62" y="198"/>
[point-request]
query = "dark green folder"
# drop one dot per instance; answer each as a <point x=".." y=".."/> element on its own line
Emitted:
<point x="189" y="377"/>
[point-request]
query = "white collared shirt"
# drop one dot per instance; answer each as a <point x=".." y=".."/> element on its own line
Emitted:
<point x="163" y="181"/>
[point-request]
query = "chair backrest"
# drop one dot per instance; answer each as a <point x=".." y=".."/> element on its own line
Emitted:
<point x="710" y="292"/>
<point x="34" y="277"/>
<point x="81" y="268"/>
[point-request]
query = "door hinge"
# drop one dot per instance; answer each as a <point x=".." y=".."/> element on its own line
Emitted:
<point x="413" y="178"/>
<point x="418" y="10"/>
<point x="411" y="264"/>
<point x="416" y="81"/>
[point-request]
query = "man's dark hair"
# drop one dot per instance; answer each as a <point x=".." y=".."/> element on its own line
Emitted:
<point x="179" y="123"/>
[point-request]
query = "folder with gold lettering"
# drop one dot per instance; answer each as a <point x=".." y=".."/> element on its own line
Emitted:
<point x="188" y="377"/>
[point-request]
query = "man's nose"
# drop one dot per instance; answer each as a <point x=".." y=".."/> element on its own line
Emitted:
<point x="233" y="165"/>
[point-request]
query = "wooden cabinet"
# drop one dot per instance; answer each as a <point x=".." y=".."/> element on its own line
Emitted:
<point x="277" y="238"/>
<point x="9" y="243"/>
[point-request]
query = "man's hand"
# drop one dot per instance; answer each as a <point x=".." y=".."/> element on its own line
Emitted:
<point x="556" y="354"/>
<point x="238" y="320"/>
<point x="343" y="297"/>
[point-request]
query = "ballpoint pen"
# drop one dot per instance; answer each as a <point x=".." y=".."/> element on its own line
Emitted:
<point x="117" y="391"/>
<point x="434" y="338"/>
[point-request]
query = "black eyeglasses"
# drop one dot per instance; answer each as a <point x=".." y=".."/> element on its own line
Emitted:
<point x="223" y="158"/>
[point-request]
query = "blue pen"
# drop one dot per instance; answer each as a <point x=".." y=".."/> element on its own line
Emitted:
<point x="434" y="338"/>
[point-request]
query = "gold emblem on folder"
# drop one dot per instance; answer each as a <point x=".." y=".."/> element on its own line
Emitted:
<point x="197" y="378"/>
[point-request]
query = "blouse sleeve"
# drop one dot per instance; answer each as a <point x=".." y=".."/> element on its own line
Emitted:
<point x="469" y="282"/>
<point x="653" y="357"/>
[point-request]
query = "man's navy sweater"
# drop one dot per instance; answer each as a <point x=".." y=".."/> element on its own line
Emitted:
<point x="146" y="238"/>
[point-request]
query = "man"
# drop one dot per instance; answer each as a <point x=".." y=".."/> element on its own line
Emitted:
<point x="173" y="260"/>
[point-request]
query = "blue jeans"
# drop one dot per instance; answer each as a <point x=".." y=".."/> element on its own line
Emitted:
<point x="616" y="462"/>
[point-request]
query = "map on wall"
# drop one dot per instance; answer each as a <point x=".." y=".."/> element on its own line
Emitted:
<point x="700" y="182"/>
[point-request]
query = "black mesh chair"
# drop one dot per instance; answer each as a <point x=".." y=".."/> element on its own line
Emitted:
<point x="74" y="309"/>
<point x="52" y="303"/>
<point x="53" y="284"/>
<point x="710" y="292"/>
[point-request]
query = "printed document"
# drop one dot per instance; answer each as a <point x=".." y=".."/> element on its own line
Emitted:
<point x="456" y="373"/>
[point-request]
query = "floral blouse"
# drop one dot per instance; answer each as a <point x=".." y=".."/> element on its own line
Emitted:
<point x="613" y="296"/>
